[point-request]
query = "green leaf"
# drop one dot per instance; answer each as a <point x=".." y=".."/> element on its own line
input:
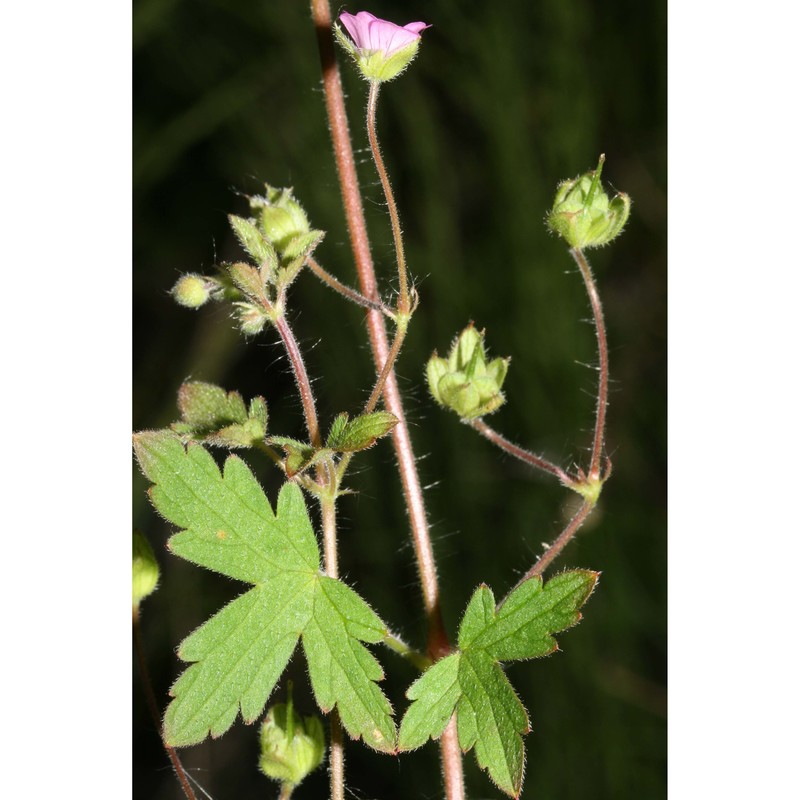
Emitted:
<point x="207" y="407"/>
<point x="348" y="436"/>
<point x="256" y="245"/>
<point x="228" y="525"/>
<point x="212" y="415"/>
<point x="247" y="279"/>
<point x="303" y="245"/>
<point x="472" y="684"/>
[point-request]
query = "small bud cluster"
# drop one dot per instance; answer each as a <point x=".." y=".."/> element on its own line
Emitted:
<point x="464" y="382"/>
<point x="584" y="216"/>
<point x="278" y="240"/>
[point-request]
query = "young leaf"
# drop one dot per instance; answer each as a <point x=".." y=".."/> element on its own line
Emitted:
<point x="212" y="415"/>
<point x="238" y="656"/>
<point x="206" y="407"/>
<point x="348" y="436"/>
<point x="472" y="684"/>
<point x="256" y="245"/>
<point x="247" y="279"/>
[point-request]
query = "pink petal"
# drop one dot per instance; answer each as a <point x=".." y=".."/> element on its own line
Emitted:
<point x="368" y="32"/>
<point x="388" y="37"/>
<point x="416" y="27"/>
<point x="358" y="27"/>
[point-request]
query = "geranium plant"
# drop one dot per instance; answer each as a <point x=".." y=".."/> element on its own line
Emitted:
<point x="284" y="547"/>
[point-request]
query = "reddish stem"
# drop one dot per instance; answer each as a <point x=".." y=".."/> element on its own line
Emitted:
<point x="404" y="302"/>
<point x="301" y="379"/>
<point x="520" y="452"/>
<point x="602" y="348"/>
<point x="147" y="683"/>
<point x="438" y="642"/>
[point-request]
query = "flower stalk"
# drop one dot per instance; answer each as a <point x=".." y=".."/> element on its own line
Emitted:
<point x="602" y="349"/>
<point x="403" y="302"/>
<point x="538" y="462"/>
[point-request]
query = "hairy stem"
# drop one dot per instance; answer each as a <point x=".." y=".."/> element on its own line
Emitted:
<point x="329" y="547"/>
<point x="519" y="452"/>
<point x="144" y="672"/>
<point x="602" y="348"/>
<point x="388" y="366"/>
<point x="452" y="769"/>
<point x="420" y="661"/>
<point x="438" y="642"/>
<point x="345" y="291"/>
<point x="404" y="302"/>
<point x="558" y="545"/>
<point x="301" y="379"/>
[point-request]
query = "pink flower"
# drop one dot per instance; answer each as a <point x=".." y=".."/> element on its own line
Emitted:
<point x="378" y="35"/>
<point x="381" y="49"/>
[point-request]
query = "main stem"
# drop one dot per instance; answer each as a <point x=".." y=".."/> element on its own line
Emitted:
<point x="438" y="642"/>
<point x="602" y="348"/>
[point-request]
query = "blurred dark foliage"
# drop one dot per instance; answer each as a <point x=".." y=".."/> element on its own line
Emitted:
<point x="502" y="103"/>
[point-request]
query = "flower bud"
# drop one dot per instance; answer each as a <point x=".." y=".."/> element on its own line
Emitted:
<point x="282" y="217"/>
<point x="465" y="382"/>
<point x="381" y="49"/>
<point x="145" y="569"/>
<point x="291" y="747"/>
<point x="582" y="213"/>
<point x="193" y="291"/>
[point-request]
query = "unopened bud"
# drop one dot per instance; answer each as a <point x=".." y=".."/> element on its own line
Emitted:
<point x="582" y="213"/>
<point x="291" y="746"/>
<point x="145" y="569"/>
<point x="282" y="217"/>
<point x="193" y="291"/>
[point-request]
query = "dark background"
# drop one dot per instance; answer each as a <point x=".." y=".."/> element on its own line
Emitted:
<point x="502" y="102"/>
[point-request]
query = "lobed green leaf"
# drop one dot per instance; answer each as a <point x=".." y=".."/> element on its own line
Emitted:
<point x="239" y="654"/>
<point x="471" y="683"/>
<point x="212" y="415"/>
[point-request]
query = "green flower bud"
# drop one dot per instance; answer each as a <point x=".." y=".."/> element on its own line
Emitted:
<point x="193" y="291"/>
<point x="145" y="569"/>
<point x="282" y="217"/>
<point x="582" y="213"/>
<point x="465" y="382"/>
<point x="291" y="747"/>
